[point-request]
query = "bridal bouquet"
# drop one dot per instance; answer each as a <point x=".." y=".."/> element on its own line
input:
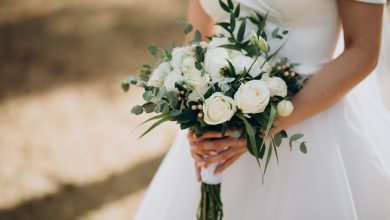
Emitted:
<point x="232" y="82"/>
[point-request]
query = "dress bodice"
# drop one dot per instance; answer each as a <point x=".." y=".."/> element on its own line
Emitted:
<point x="314" y="27"/>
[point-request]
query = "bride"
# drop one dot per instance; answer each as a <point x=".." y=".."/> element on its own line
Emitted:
<point x="341" y="110"/>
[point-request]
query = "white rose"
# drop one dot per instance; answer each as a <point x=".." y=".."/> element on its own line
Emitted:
<point x="218" y="108"/>
<point x="241" y="62"/>
<point x="252" y="97"/>
<point x="215" y="60"/>
<point x="276" y="86"/>
<point x="159" y="74"/>
<point x="194" y="78"/>
<point x="285" y="108"/>
<point x="179" y="54"/>
<point x="171" y="79"/>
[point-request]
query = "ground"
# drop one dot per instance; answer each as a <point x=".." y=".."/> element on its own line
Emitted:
<point x="67" y="150"/>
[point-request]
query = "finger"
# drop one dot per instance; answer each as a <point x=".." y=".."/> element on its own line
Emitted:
<point x="221" y="157"/>
<point x="197" y="158"/>
<point x="201" y="152"/>
<point x="215" y="134"/>
<point x="197" y="173"/>
<point x="192" y="136"/>
<point x="221" y="167"/>
<point x="215" y="145"/>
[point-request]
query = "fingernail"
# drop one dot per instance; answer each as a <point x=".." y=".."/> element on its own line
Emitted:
<point x="213" y="153"/>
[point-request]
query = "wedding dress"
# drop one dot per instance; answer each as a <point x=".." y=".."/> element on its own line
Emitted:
<point x="346" y="173"/>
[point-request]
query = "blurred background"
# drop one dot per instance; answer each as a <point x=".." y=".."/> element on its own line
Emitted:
<point x="67" y="150"/>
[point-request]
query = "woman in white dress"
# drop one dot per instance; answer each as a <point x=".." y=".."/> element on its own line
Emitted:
<point x="341" y="111"/>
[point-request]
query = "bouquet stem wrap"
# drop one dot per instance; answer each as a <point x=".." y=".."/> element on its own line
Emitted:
<point x="210" y="206"/>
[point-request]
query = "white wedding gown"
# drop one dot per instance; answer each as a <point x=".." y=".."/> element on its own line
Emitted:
<point x="346" y="172"/>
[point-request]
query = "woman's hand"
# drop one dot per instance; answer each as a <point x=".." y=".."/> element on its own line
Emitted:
<point x="212" y="147"/>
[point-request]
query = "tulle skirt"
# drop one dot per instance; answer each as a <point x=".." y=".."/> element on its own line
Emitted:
<point x="344" y="176"/>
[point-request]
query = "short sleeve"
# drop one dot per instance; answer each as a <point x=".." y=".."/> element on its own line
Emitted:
<point x="373" y="1"/>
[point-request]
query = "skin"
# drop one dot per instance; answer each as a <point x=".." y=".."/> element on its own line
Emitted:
<point x="362" y="25"/>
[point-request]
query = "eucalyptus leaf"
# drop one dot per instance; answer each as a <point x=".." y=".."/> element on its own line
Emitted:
<point x="153" y="49"/>
<point x="149" y="107"/>
<point x="181" y="21"/>
<point x="172" y="99"/>
<point x="303" y="147"/>
<point x="125" y="86"/>
<point x="188" y="28"/>
<point x="296" y="137"/>
<point x="275" y="32"/>
<point x="278" y="139"/>
<point x="197" y="38"/>
<point x="137" y="110"/>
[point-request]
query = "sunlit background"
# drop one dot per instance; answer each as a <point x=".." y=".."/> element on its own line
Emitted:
<point x="67" y="150"/>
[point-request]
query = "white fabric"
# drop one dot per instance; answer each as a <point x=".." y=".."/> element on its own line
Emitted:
<point x="346" y="173"/>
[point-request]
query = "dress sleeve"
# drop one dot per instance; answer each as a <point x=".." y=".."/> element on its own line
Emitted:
<point x="373" y="1"/>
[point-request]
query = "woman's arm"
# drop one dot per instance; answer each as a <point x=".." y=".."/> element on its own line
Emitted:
<point x="199" y="19"/>
<point x="362" y="24"/>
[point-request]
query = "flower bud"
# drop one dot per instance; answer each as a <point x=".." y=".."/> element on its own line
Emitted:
<point x="285" y="108"/>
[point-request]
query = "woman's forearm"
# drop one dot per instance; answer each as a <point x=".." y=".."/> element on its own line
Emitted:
<point x="330" y="84"/>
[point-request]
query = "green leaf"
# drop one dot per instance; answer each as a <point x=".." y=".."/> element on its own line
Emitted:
<point x="296" y="137"/>
<point x="263" y="23"/>
<point x="165" y="118"/>
<point x="251" y="135"/>
<point x="303" y="147"/>
<point x="198" y="37"/>
<point x="276" y="52"/>
<point x="224" y="6"/>
<point x="225" y="26"/>
<point x="149" y="107"/>
<point x="231" y="67"/>
<point x="161" y="93"/>
<point x="269" y="153"/>
<point x="236" y="134"/>
<point x="275" y="32"/>
<point x="181" y="21"/>
<point x="271" y="119"/>
<point x="232" y="22"/>
<point x="188" y="28"/>
<point x="137" y="110"/>
<point x="278" y="139"/>
<point x="148" y="95"/>
<point x="231" y="47"/>
<point x="125" y="86"/>
<point x="230" y="4"/>
<point x="283" y="133"/>
<point x="153" y="49"/>
<point x="237" y="11"/>
<point x="241" y="31"/>
<point x="198" y="66"/>
<point x="153" y="118"/>
<point x="175" y="113"/>
<point x="172" y="99"/>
